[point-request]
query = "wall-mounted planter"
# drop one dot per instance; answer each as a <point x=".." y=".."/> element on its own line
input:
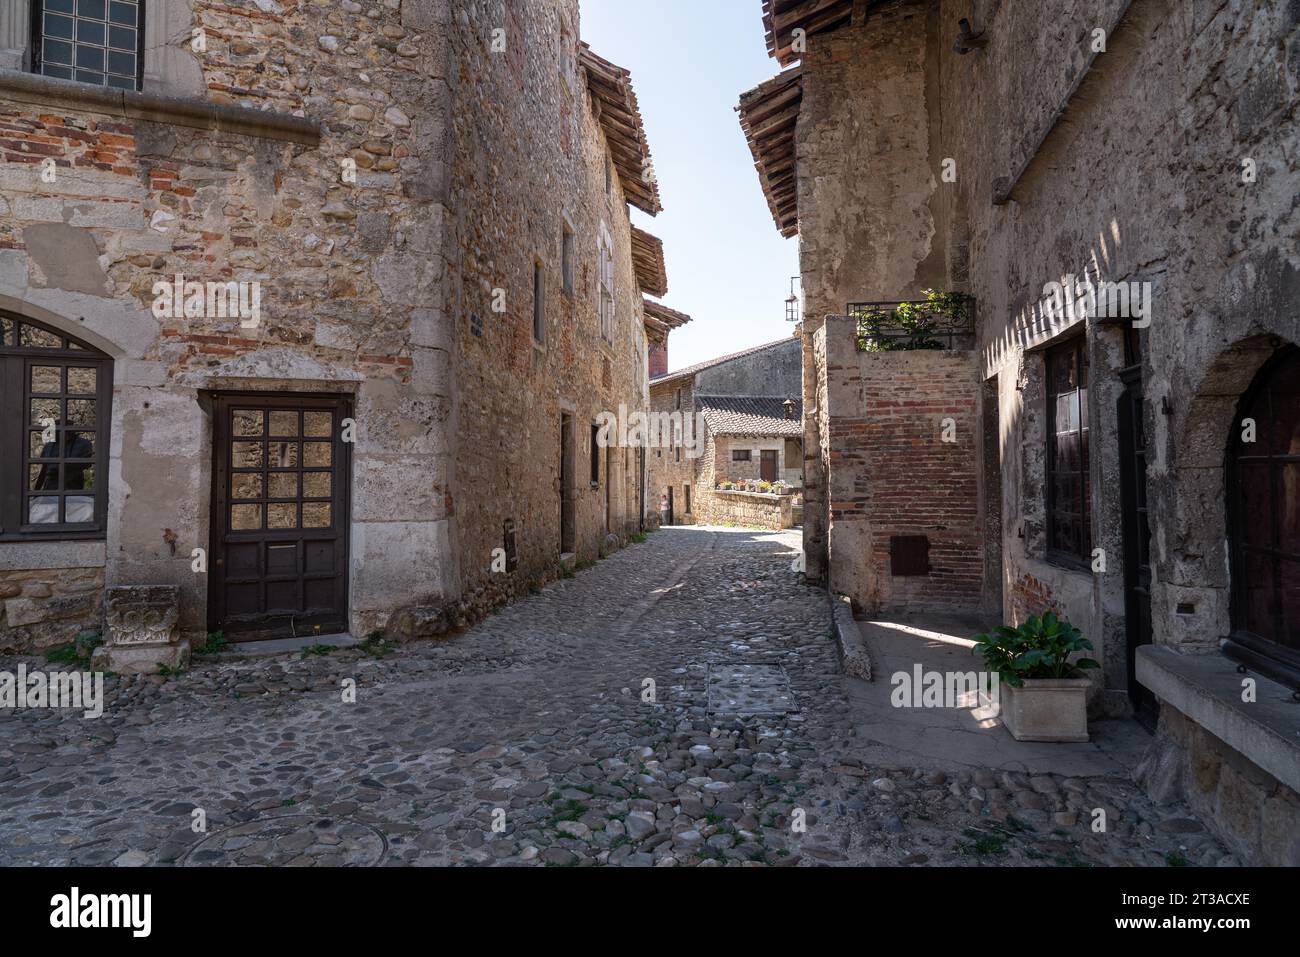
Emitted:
<point x="1047" y="709"/>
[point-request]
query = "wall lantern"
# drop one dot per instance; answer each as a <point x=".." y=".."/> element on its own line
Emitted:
<point x="792" y="304"/>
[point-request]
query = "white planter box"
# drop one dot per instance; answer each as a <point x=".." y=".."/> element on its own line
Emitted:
<point x="1047" y="709"/>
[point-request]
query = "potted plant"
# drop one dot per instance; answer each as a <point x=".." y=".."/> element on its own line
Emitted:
<point x="1044" y="694"/>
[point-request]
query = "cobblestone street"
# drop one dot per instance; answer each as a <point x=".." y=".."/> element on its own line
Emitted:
<point x="538" y="712"/>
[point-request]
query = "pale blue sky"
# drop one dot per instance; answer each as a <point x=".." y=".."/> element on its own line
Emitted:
<point x="728" y="267"/>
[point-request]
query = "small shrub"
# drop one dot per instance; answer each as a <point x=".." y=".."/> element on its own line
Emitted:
<point x="1040" y="648"/>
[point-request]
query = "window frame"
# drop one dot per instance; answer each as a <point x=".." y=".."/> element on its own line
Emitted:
<point x="568" y="249"/>
<point x="16" y="363"/>
<point x="607" y="304"/>
<point x="36" y="36"/>
<point x="1078" y="347"/>
<point x="742" y="455"/>
<point x="539" y="303"/>
<point x="1266" y="655"/>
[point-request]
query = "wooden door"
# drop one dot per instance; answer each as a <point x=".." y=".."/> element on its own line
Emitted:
<point x="280" y="516"/>
<point x="768" y="465"/>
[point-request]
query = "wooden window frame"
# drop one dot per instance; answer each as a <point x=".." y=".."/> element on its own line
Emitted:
<point x="16" y="363"/>
<point x="1056" y="553"/>
<point x="742" y="455"/>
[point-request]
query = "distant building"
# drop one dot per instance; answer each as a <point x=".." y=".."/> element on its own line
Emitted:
<point x="750" y="408"/>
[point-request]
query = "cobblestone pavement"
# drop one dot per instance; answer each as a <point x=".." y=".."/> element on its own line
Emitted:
<point x="526" y="741"/>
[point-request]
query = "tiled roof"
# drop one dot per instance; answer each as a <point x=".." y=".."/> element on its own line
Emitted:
<point x="750" y="415"/>
<point x="701" y="366"/>
<point x="769" y="114"/>
<point x="620" y="117"/>
<point x="781" y="18"/>
<point x="665" y="317"/>
<point x="648" y="261"/>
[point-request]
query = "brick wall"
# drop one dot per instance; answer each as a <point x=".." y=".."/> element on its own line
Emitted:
<point x="902" y="430"/>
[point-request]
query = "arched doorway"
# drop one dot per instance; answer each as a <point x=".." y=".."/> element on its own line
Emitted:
<point x="1264" y="522"/>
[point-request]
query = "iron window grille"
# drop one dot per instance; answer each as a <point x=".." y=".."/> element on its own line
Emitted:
<point x="905" y="325"/>
<point x="55" y="398"/>
<point x="100" y="42"/>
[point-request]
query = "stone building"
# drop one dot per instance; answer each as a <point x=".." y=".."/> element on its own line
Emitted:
<point x="308" y="309"/>
<point x="1112" y="184"/>
<point x="738" y="401"/>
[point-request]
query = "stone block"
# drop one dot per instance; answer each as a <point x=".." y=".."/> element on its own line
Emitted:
<point x="417" y="623"/>
<point x="141" y="659"/>
<point x="141" y="615"/>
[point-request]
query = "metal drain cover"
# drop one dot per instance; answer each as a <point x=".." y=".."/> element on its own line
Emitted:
<point x="750" y="690"/>
<point x="275" y="842"/>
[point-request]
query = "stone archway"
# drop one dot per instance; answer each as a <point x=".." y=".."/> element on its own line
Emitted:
<point x="1193" y="606"/>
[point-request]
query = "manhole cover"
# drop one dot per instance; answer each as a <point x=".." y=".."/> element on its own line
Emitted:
<point x="750" y="690"/>
<point x="274" y="842"/>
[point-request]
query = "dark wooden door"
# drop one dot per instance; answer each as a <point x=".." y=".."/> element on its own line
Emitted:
<point x="1136" y="534"/>
<point x="280" y="515"/>
<point x="768" y="465"/>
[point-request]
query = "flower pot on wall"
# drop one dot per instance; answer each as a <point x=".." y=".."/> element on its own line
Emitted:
<point x="1047" y="709"/>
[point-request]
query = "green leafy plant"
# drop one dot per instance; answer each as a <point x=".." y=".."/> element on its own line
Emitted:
<point x="77" y="651"/>
<point x="316" y="651"/>
<point x="1039" y="648"/>
<point x="912" y="326"/>
<point x="215" y="644"/>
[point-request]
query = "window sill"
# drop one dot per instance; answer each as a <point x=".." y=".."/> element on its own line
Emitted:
<point x="1207" y="688"/>
<point x="177" y="111"/>
<point x="34" y="556"/>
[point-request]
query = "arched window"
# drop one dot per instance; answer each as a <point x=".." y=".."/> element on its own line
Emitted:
<point x="1264" y="516"/>
<point x="55" y="394"/>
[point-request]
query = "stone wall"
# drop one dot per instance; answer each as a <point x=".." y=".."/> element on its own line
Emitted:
<point x="1253" y="813"/>
<point x="43" y="608"/>
<point x="1169" y="158"/>
<point x="667" y="468"/>
<point x="530" y="163"/>
<point x="331" y="165"/>
<point x="775" y="370"/>
<point x="348" y="269"/>
<point x="746" y="509"/>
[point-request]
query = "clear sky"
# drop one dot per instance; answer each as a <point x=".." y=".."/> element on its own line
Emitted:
<point x="728" y="267"/>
